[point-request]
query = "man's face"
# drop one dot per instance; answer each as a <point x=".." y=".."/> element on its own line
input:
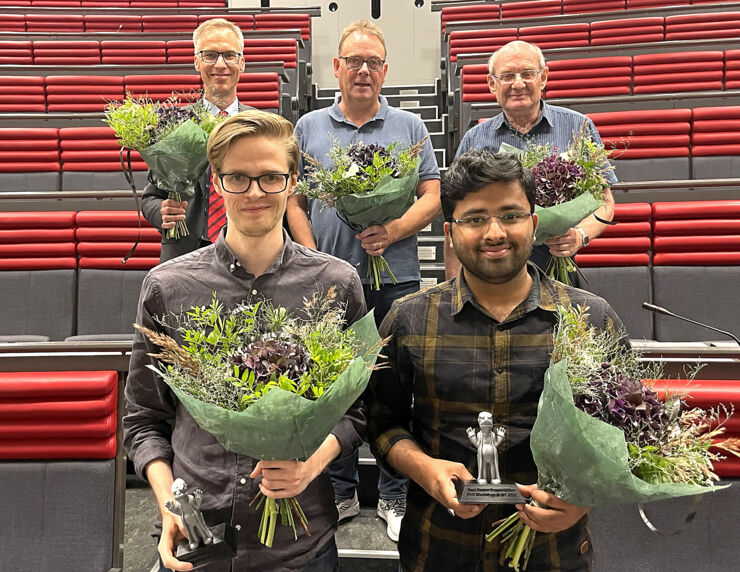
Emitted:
<point x="519" y="97"/>
<point x="494" y="253"/>
<point x="360" y="86"/>
<point x="255" y="213"/>
<point x="219" y="79"/>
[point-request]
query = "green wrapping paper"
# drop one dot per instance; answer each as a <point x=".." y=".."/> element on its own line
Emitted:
<point x="390" y="199"/>
<point x="556" y="220"/>
<point x="282" y="425"/>
<point x="584" y="460"/>
<point x="178" y="160"/>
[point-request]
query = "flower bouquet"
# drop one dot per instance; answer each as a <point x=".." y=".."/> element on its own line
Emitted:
<point x="171" y="138"/>
<point x="570" y="186"/>
<point x="603" y="438"/>
<point x="266" y="382"/>
<point x="368" y="185"/>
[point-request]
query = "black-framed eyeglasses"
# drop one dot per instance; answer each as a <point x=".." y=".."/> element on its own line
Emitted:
<point x="507" y="78"/>
<point x="239" y="183"/>
<point x="509" y="218"/>
<point x="355" y="62"/>
<point x="211" y="56"/>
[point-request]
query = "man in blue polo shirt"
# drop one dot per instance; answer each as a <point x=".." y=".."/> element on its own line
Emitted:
<point x="517" y="76"/>
<point x="363" y="115"/>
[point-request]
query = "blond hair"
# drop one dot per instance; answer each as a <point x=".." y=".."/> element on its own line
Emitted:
<point x="252" y="123"/>
<point x="217" y="24"/>
<point x="517" y="45"/>
<point x="363" y="27"/>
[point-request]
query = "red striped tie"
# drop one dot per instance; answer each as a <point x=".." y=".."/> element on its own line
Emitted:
<point x="216" y="208"/>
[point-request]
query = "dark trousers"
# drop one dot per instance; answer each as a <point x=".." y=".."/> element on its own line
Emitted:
<point x="344" y="475"/>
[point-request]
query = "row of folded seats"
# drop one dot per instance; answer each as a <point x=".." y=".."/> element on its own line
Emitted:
<point x="92" y="93"/>
<point x="58" y="471"/>
<point x="545" y="8"/>
<point x="154" y="23"/>
<point x="134" y="52"/>
<point x="67" y="266"/>
<point x="62" y="273"/>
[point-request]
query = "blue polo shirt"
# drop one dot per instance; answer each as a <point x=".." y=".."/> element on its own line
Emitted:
<point x="316" y="132"/>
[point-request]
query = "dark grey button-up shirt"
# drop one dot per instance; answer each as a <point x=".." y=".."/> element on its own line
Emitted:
<point x="156" y="426"/>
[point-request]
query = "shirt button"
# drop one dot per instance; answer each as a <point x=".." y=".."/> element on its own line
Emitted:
<point x="243" y="481"/>
<point x="500" y="369"/>
<point x="238" y="527"/>
<point x="238" y="263"/>
<point x="254" y="292"/>
<point x="231" y="267"/>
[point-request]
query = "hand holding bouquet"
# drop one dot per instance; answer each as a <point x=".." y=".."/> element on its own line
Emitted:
<point x="368" y="185"/>
<point x="267" y="383"/>
<point x="171" y="138"/>
<point x="570" y="186"/>
<point x="603" y="438"/>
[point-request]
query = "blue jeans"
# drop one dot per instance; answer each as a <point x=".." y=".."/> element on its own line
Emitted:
<point x="344" y="476"/>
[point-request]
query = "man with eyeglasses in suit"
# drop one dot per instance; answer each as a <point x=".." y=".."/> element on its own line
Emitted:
<point x="219" y="59"/>
<point x="363" y="115"/>
<point x="517" y="76"/>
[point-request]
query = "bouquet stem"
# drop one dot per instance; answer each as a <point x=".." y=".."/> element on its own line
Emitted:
<point x="376" y="265"/>
<point x="561" y="268"/>
<point x="181" y="227"/>
<point x="285" y="509"/>
<point x="517" y="538"/>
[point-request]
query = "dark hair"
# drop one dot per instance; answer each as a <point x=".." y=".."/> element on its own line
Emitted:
<point x="473" y="170"/>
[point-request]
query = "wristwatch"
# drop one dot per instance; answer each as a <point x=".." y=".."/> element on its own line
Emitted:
<point x="586" y="239"/>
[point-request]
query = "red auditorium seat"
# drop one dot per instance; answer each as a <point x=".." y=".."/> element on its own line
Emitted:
<point x="22" y="93"/>
<point x="244" y="21"/>
<point x="54" y="23"/>
<point x="627" y="31"/>
<point x="715" y="131"/>
<point x="640" y="4"/>
<point x="474" y="84"/>
<point x="159" y="23"/>
<point x="585" y="6"/>
<point x="558" y="36"/>
<point x="530" y="9"/>
<point x="62" y="53"/>
<point x="134" y="52"/>
<point x="625" y="244"/>
<point x="469" y="13"/>
<point x="194" y="4"/>
<point x="29" y="150"/>
<point x="85" y="93"/>
<point x="16" y="53"/>
<point x="93" y="149"/>
<point x="679" y="71"/>
<point x="284" y="22"/>
<point x="702" y="26"/>
<point x="732" y="69"/>
<point x="117" y="23"/>
<point x="161" y="87"/>
<point x="13" y="22"/>
<point x="260" y="90"/>
<point x="479" y="41"/>
<point x="180" y="51"/>
<point x="105" y="237"/>
<point x="272" y="49"/>
<point x="588" y="77"/>
<point x="37" y="241"/>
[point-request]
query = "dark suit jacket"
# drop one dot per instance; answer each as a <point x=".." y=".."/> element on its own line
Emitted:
<point x="196" y="213"/>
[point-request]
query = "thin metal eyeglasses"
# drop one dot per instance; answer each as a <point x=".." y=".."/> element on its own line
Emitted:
<point x="355" y="62"/>
<point x="508" y="78"/>
<point x="211" y="56"/>
<point x="510" y="218"/>
<point x="270" y="183"/>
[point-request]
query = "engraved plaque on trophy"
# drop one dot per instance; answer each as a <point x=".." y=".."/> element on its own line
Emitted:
<point x="204" y="544"/>
<point x="487" y="488"/>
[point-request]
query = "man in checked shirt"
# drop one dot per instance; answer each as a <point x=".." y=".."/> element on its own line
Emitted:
<point x="479" y="342"/>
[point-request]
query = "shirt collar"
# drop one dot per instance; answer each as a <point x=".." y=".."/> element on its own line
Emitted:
<point x="225" y="256"/>
<point x="336" y="113"/>
<point x="542" y="295"/>
<point x="500" y="121"/>
<point x="230" y="110"/>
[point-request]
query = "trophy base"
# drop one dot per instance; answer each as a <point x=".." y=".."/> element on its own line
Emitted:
<point x="473" y="492"/>
<point x="222" y="548"/>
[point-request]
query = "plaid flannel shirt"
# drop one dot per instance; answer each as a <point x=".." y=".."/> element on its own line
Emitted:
<point x="448" y="360"/>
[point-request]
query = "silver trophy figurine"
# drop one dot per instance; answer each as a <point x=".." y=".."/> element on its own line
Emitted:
<point x="203" y="545"/>
<point x="488" y="488"/>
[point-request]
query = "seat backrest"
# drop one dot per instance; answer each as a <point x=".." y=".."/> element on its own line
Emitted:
<point x="530" y="9"/>
<point x="586" y="6"/>
<point x="161" y="87"/>
<point x="22" y="93"/>
<point x="702" y="26"/>
<point x="85" y="93"/>
<point x="627" y="31"/>
<point x="93" y="149"/>
<point x="469" y="13"/>
<point x="268" y="21"/>
<point x="134" y="52"/>
<point x="557" y="36"/>
<point x="586" y="77"/>
<point x="677" y="71"/>
<point x="112" y="23"/>
<point x="260" y="90"/>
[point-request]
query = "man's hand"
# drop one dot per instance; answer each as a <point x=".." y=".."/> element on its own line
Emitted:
<point x="375" y="239"/>
<point x="285" y="479"/>
<point x="172" y="211"/>
<point x="566" y="244"/>
<point x="172" y="532"/>
<point x="559" y="515"/>
<point x="439" y="482"/>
